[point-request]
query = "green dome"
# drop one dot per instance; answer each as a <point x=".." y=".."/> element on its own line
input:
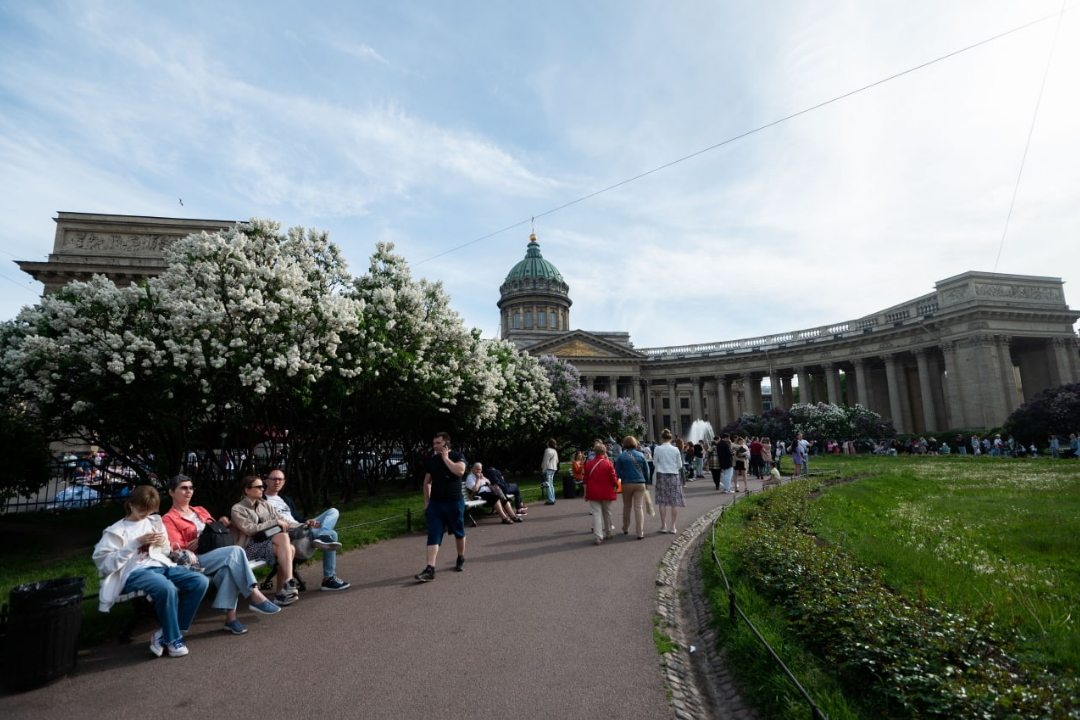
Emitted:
<point x="534" y="266"/>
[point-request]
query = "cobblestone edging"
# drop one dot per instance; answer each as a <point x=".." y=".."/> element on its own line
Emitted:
<point x="701" y="686"/>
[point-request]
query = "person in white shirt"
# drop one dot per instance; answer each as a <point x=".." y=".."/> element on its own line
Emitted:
<point x="669" y="492"/>
<point x="133" y="554"/>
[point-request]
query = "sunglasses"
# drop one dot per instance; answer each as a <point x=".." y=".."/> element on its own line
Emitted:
<point x="256" y="487"/>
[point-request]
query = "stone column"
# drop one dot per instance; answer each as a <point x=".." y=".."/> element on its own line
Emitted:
<point x="954" y="415"/>
<point x="751" y="394"/>
<point x="590" y="382"/>
<point x="635" y="393"/>
<point x="1062" y="361"/>
<point x="777" y="390"/>
<point x="861" y="386"/>
<point x="656" y="400"/>
<point x="804" y="385"/>
<point x="698" y="412"/>
<point x="895" y="414"/>
<point x="673" y="402"/>
<point x="1008" y="375"/>
<point x="832" y="381"/>
<point x="789" y="393"/>
<point x="723" y="400"/>
<point x="926" y="390"/>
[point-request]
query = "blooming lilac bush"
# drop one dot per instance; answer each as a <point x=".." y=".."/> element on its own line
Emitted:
<point x="253" y="334"/>
<point x="584" y="414"/>
<point x="1054" y="411"/>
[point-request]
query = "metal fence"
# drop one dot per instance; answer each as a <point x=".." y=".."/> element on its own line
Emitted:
<point x="735" y="613"/>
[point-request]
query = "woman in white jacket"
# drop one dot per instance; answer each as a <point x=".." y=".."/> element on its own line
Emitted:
<point x="133" y="554"/>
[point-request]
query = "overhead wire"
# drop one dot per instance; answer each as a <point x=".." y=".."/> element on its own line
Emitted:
<point x="1031" y="131"/>
<point x="753" y="131"/>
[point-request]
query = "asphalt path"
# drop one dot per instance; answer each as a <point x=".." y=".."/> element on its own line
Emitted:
<point x="541" y="624"/>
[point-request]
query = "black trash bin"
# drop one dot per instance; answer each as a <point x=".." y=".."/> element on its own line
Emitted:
<point x="569" y="487"/>
<point x="41" y="642"/>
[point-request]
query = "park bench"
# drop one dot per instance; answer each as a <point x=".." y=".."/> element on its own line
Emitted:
<point x="142" y="606"/>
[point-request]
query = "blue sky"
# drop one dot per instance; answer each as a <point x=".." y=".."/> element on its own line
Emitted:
<point x="432" y="124"/>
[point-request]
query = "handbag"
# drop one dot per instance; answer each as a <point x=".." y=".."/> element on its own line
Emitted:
<point x="302" y="541"/>
<point x="215" y="535"/>
<point x="266" y="534"/>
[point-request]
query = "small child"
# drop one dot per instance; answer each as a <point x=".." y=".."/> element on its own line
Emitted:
<point x="774" y="474"/>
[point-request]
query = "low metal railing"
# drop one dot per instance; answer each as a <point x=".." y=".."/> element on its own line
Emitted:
<point x="734" y="611"/>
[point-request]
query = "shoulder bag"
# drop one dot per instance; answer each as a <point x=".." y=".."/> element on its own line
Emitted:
<point x="215" y="535"/>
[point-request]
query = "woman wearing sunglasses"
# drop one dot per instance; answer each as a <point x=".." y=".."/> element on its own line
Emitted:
<point x="228" y="566"/>
<point x="264" y="535"/>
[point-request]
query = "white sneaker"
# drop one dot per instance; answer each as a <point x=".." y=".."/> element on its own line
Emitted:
<point x="156" y="646"/>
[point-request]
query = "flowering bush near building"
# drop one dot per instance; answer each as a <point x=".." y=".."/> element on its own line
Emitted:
<point x="584" y="414"/>
<point x="1054" y="411"/>
<point x="253" y="334"/>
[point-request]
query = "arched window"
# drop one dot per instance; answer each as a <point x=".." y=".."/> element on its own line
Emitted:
<point x="541" y="319"/>
<point x="528" y="320"/>
<point x="517" y="321"/>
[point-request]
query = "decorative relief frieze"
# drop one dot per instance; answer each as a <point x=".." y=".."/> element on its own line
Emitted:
<point x="94" y="243"/>
<point x="956" y="294"/>
<point x="978" y="325"/>
<point x="578" y="349"/>
<point x="886" y="346"/>
<point x="1018" y="292"/>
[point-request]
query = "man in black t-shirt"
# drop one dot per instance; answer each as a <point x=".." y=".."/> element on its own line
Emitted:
<point x="444" y="505"/>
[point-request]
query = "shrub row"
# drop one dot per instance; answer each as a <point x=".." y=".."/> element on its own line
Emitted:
<point x="919" y="660"/>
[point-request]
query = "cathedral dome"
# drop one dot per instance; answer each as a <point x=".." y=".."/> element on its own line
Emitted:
<point x="534" y="298"/>
<point x="534" y="266"/>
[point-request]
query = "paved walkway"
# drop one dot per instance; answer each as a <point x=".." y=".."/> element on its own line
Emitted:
<point x="542" y="624"/>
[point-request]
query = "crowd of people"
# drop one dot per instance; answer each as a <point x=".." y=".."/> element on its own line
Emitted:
<point x="174" y="557"/>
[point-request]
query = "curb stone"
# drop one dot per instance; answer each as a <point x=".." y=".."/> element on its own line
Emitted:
<point x="701" y="686"/>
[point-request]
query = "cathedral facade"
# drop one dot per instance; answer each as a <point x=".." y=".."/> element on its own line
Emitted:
<point x="963" y="356"/>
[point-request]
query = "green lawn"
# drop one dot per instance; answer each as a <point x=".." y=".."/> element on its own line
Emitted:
<point x="964" y="534"/>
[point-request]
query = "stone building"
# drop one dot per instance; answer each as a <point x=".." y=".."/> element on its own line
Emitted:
<point x="962" y="356"/>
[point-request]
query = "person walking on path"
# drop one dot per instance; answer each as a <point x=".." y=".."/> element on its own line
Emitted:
<point x="600" y="486"/>
<point x="322" y="528"/>
<point x="632" y="469"/>
<point x="669" y="491"/>
<point x="550" y="465"/>
<point x="444" y="505"/>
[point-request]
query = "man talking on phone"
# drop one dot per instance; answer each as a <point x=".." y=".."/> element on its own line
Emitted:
<point x="444" y="505"/>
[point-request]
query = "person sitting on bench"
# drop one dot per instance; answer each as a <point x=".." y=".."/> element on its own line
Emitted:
<point x="511" y="490"/>
<point x="227" y="566"/>
<point x="490" y="493"/>
<point x="322" y="528"/>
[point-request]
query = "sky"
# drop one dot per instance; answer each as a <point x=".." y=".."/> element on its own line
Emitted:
<point x="432" y="125"/>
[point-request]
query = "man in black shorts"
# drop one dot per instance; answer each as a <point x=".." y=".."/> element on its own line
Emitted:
<point x="444" y="505"/>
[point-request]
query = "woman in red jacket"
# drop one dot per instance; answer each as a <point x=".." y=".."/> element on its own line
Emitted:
<point x="600" y="485"/>
<point x="227" y="565"/>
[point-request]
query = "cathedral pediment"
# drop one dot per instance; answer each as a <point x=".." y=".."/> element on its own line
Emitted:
<point x="581" y="344"/>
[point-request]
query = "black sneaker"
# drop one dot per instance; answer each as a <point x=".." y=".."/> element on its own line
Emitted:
<point x="460" y="563"/>
<point x="334" y="583"/>
<point x="428" y="575"/>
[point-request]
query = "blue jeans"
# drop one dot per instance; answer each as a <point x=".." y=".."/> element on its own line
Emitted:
<point x="232" y="576"/>
<point x="549" y="478"/>
<point x="725" y="478"/>
<point x="327" y="521"/>
<point x="177" y="592"/>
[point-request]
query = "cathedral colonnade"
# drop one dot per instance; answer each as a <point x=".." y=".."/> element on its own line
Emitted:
<point x="963" y="357"/>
